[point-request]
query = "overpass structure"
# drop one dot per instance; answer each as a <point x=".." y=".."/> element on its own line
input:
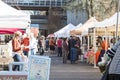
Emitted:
<point x="40" y="5"/>
<point x="36" y="4"/>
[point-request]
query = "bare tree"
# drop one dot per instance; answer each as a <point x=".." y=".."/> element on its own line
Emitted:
<point x="101" y="9"/>
<point x="54" y="20"/>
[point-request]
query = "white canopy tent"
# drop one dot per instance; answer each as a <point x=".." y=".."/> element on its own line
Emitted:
<point x="12" y="18"/>
<point x="62" y="32"/>
<point x="113" y="19"/>
<point x="103" y="28"/>
<point x="102" y="23"/>
<point x="109" y="21"/>
<point x="80" y="24"/>
<point x="83" y="30"/>
<point x="67" y="33"/>
<point x="106" y="26"/>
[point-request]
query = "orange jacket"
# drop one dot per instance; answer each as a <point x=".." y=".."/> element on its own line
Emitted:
<point x="16" y="45"/>
<point x="25" y="42"/>
<point x="104" y="45"/>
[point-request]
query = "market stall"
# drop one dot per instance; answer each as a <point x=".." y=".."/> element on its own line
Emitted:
<point x="105" y="28"/>
<point x="11" y="20"/>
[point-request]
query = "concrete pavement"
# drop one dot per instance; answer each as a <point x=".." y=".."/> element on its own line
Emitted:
<point x="79" y="71"/>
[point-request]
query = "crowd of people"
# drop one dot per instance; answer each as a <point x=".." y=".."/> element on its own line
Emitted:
<point x="68" y="48"/>
<point x="22" y="46"/>
<point x="28" y="44"/>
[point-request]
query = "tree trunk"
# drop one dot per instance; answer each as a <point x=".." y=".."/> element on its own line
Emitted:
<point x="91" y="6"/>
<point x="87" y="9"/>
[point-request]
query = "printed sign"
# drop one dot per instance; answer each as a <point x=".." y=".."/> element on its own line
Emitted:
<point x="39" y="67"/>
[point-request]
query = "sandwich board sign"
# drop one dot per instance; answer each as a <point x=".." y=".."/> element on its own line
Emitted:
<point x="39" y="67"/>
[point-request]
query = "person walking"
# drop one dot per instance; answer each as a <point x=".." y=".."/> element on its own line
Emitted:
<point x="112" y="63"/>
<point x="52" y="45"/>
<point x="78" y="47"/>
<point x="73" y="50"/>
<point x="69" y="46"/>
<point x="114" y="67"/>
<point x="59" y="45"/>
<point x="47" y="44"/>
<point x="65" y="50"/>
<point x="41" y="45"/>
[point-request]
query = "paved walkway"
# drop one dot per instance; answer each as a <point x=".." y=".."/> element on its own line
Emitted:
<point x="79" y="71"/>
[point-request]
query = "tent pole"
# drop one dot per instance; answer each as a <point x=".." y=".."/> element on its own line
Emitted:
<point x="94" y="45"/>
<point x="105" y="38"/>
<point x="81" y="41"/>
<point x="88" y="42"/>
<point x="117" y="20"/>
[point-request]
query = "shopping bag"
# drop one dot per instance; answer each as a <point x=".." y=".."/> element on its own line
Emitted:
<point x="106" y="73"/>
<point x="102" y="65"/>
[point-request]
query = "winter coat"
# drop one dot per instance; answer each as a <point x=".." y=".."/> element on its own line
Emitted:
<point x="114" y="53"/>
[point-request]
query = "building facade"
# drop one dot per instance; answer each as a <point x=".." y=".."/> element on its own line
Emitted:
<point x="76" y="17"/>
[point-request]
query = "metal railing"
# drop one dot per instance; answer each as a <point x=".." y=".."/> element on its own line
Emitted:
<point x="38" y="3"/>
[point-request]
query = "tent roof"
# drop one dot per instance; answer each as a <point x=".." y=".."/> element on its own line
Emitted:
<point x="13" y="24"/>
<point x="67" y="33"/>
<point x="10" y="13"/>
<point x="12" y="18"/>
<point x="103" y="23"/>
<point x="63" y="30"/>
<point x="73" y="30"/>
<point x="69" y="26"/>
<point x="79" y="25"/>
<point x="108" y="23"/>
<point x="84" y="28"/>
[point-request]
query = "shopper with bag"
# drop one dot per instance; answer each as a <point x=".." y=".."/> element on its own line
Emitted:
<point x="113" y="69"/>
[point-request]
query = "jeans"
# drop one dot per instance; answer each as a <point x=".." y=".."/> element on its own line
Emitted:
<point x="25" y="53"/>
<point x="60" y="51"/>
<point x="73" y="55"/>
<point x="33" y="51"/>
<point x="17" y="58"/>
